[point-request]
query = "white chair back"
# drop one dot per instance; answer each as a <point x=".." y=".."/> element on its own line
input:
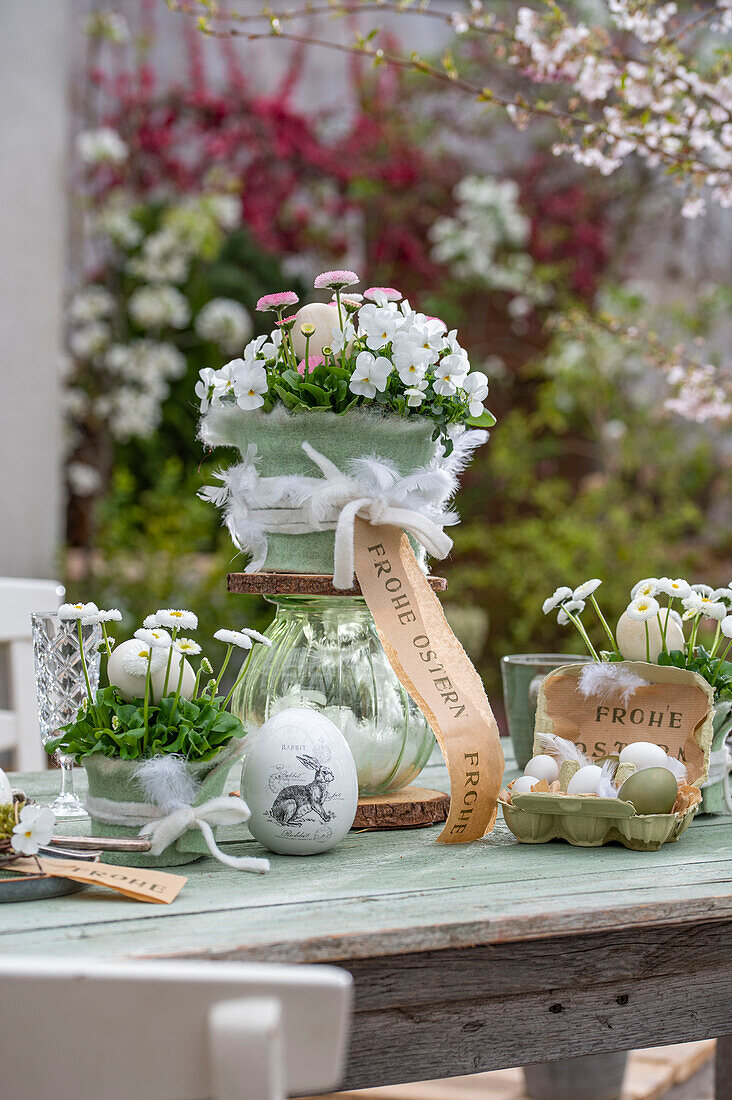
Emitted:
<point x="19" y="729"/>
<point x="80" y="1030"/>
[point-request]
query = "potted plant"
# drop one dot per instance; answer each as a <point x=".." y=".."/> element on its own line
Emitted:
<point x="158" y="741"/>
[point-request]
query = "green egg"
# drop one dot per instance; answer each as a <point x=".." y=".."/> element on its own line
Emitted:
<point x="651" y="791"/>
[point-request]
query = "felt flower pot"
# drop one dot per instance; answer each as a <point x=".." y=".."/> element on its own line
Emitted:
<point x="405" y="443"/>
<point x="114" y="791"/>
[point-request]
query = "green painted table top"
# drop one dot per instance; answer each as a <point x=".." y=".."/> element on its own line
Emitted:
<point x="391" y="892"/>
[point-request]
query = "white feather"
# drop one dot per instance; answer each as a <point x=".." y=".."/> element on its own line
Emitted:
<point x="608" y="682"/>
<point x="605" y="786"/>
<point x="166" y="781"/>
<point x="677" y="768"/>
<point x="562" y="749"/>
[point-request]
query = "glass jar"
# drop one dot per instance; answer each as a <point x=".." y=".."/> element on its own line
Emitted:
<point x="326" y="654"/>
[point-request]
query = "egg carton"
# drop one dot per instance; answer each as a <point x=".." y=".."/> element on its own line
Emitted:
<point x="589" y="821"/>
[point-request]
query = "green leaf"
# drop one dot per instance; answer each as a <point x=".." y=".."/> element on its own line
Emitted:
<point x="485" y="420"/>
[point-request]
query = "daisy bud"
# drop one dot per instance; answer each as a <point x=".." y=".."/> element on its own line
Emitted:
<point x="206" y="666"/>
<point x="308" y="329"/>
<point x="327" y="350"/>
<point x="115" y="722"/>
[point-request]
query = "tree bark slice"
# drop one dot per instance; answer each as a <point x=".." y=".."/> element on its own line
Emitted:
<point x="409" y="808"/>
<point x="300" y="584"/>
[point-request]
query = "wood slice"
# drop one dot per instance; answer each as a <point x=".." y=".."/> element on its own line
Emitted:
<point x="411" y="807"/>
<point x="300" y="584"/>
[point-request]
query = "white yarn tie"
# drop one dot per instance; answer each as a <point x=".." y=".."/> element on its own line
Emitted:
<point x="377" y="509"/>
<point x="164" y="829"/>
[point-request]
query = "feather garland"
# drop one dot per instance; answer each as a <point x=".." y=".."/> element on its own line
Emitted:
<point x="562" y="749"/>
<point x="166" y="781"/>
<point x="608" y="682"/>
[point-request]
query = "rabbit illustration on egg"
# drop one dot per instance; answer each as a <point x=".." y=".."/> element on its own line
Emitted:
<point x="295" y="802"/>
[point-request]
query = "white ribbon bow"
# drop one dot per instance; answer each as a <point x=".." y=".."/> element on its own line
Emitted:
<point x="224" y="810"/>
<point x="347" y="495"/>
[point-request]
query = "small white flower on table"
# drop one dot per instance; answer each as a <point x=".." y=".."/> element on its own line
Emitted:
<point x="34" y="828"/>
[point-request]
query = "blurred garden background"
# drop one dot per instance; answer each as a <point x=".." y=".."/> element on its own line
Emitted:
<point x="201" y="171"/>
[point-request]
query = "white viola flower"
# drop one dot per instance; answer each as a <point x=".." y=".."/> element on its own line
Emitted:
<point x="341" y="339"/>
<point x="647" y="587"/>
<point x="155" y="638"/>
<point x="370" y="374"/>
<point x="90" y="340"/>
<point x="254" y="350"/>
<point x="476" y="387"/>
<point x="72" y="612"/>
<point x="214" y="384"/>
<point x="643" y="608"/>
<point x="586" y="589"/>
<point x="270" y="349"/>
<point x="160" y="306"/>
<point x="234" y="637"/>
<point x="678" y="588"/>
<point x="571" y="607"/>
<point x="112" y="615"/>
<point x="187" y="646"/>
<point x="34" y="829"/>
<point x="560" y="595"/>
<point x="415" y="394"/>
<point x="410" y="358"/>
<point x="136" y="658"/>
<point x="93" y="303"/>
<point x="449" y="374"/>
<point x="379" y="325"/>
<point x="726" y="626"/>
<point x="101" y="146"/>
<point x="255" y="635"/>
<point x="176" y="618"/>
<point x="225" y="322"/>
<point x="250" y="385"/>
<point x="429" y="334"/>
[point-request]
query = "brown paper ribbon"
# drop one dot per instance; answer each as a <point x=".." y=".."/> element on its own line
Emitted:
<point x="438" y="674"/>
<point x="141" y="884"/>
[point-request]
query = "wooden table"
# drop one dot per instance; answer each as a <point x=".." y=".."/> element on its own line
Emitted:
<point x="465" y="958"/>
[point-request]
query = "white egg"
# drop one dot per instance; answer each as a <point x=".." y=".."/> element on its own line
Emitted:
<point x="133" y="687"/>
<point x="6" y="791"/>
<point x="188" y="682"/>
<point x="543" y="766"/>
<point x="299" y="781"/>
<point x="631" y="636"/>
<point x="585" y="781"/>
<point x="324" y="315"/>
<point x="523" y="784"/>
<point x="644" y="754"/>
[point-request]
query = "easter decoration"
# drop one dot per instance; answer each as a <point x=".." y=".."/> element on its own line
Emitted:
<point x="624" y="745"/>
<point x="353" y="419"/>
<point x="299" y="780"/>
<point x="158" y="742"/>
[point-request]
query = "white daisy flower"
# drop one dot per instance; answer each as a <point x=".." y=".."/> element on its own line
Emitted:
<point x="91" y="616"/>
<point x="150" y="622"/>
<point x="723" y="594"/>
<point x="135" y="660"/>
<point x="71" y="612"/>
<point x="256" y="636"/>
<point x="646" y="587"/>
<point x="678" y="588"/>
<point x="113" y="615"/>
<point x="643" y="608"/>
<point x="586" y="589"/>
<point x="35" y="827"/>
<point x="713" y="609"/>
<point x="560" y="595"/>
<point x="233" y="637"/>
<point x="702" y="589"/>
<point x="176" y="617"/>
<point x="187" y="646"/>
<point x="156" y="639"/>
<point x="726" y="626"/>
<point x="574" y="607"/>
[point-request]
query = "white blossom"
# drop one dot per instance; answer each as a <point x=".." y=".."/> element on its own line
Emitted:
<point x="225" y="322"/>
<point x="161" y="306"/>
<point x="370" y="374"/>
<point x="101" y="146"/>
<point x="34" y="829"/>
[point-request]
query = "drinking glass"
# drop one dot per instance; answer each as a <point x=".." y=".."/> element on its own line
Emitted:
<point x="522" y="674"/>
<point x="61" y="686"/>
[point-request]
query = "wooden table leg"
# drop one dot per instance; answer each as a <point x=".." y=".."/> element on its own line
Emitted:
<point x="723" y="1072"/>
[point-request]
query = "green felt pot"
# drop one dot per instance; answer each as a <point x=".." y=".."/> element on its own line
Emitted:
<point x="115" y="780"/>
<point x="278" y="436"/>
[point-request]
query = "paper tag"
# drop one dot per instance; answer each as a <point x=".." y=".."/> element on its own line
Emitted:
<point x="438" y="674"/>
<point x="667" y="712"/>
<point x="140" y="883"/>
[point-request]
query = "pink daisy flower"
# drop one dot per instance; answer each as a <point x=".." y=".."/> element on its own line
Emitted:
<point x="335" y="280"/>
<point x="287" y="322"/>
<point x="277" y="301"/>
<point x="313" y="362"/>
<point x="382" y="294"/>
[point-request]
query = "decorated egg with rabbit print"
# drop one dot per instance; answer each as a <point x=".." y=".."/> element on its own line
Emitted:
<point x="299" y="781"/>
